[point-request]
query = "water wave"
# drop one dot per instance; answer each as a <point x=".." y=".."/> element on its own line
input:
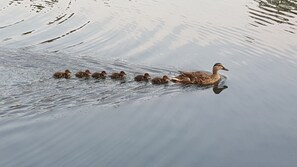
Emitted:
<point x="271" y="12"/>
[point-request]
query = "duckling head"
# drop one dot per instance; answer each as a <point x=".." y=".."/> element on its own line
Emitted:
<point x="67" y="71"/>
<point x="88" y="72"/>
<point x="166" y="78"/>
<point x="123" y="73"/>
<point x="104" y="73"/>
<point x="146" y="75"/>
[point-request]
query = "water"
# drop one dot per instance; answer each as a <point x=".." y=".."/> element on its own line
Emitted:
<point x="249" y="120"/>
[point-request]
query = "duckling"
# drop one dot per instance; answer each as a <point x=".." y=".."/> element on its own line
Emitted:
<point x="118" y="76"/>
<point x="66" y="74"/>
<point x="146" y="77"/>
<point x="159" y="80"/>
<point x="99" y="75"/>
<point x="82" y="74"/>
<point x="200" y="77"/>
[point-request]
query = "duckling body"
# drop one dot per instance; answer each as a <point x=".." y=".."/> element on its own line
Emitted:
<point x="146" y="77"/>
<point x="66" y="74"/>
<point x="118" y="76"/>
<point x="159" y="80"/>
<point x="99" y="75"/>
<point x="200" y="77"/>
<point x="83" y="74"/>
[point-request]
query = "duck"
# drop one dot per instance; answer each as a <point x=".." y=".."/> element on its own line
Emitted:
<point x="119" y="76"/>
<point x="83" y="74"/>
<point x="158" y="80"/>
<point x="146" y="77"/>
<point x="99" y="75"/>
<point x="66" y="74"/>
<point x="200" y="77"/>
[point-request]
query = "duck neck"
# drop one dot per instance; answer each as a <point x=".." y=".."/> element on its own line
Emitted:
<point x="215" y="71"/>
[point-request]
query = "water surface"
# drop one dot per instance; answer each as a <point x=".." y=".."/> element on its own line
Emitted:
<point x="249" y="121"/>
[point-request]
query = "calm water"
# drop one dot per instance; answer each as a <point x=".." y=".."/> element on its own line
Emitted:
<point x="250" y="119"/>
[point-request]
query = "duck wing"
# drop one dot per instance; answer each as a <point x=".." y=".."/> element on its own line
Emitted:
<point x="198" y="77"/>
<point x="205" y="79"/>
<point x="197" y="74"/>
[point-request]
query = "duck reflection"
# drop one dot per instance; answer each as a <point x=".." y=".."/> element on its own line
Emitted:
<point x="217" y="88"/>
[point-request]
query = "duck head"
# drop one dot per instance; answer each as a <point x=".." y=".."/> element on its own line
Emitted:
<point x="217" y="67"/>
<point x="67" y="71"/>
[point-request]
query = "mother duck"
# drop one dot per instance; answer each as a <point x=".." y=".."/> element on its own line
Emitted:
<point x="200" y="77"/>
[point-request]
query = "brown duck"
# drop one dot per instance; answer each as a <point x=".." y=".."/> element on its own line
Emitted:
<point x="158" y="80"/>
<point x="120" y="76"/>
<point x="85" y="74"/>
<point x="66" y="74"/>
<point x="99" y="75"/>
<point x="146" y="77"/>
<point x="200" y="77"/>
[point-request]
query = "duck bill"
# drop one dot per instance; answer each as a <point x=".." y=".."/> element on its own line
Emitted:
<point x="225" y="69"/>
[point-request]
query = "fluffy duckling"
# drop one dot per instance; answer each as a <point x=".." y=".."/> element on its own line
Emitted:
<point x="66" y="74"/>
<point x="82" y="74"/>
<point x="119" y="76"/>
<point x="99" y="75"/>
<point x="200" y="77"/>
<point x="146" y="77"/>
<point x="165" y="79"/>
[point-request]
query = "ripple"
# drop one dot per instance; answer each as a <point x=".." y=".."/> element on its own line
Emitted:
<point x="272" y="12"/>
<point x="68" y="33"/>
<point x="11" y="24"/>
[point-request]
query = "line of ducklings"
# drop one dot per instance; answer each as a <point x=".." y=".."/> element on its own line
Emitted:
<point x="116" y="76"/>
<point x="197" y="77"/>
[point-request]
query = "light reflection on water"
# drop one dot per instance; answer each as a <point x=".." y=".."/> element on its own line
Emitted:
<point x="171" y="125"/>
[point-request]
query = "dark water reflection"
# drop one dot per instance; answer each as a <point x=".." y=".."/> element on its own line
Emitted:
<point x="272" y="12"/>
<point x="249" y="119"/>
<point x="34" y="5"/>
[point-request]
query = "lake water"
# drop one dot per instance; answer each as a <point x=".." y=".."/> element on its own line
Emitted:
<point x="250" y="119"/>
